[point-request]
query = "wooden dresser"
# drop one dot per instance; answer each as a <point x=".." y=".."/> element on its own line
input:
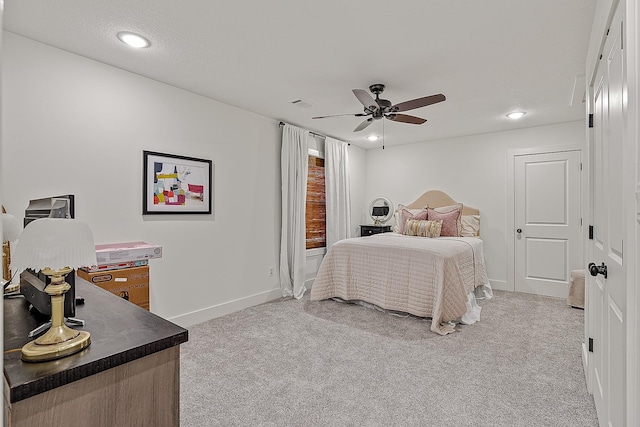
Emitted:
<point x="128" y="376"/>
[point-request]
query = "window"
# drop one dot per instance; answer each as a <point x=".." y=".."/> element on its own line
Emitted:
<point x="316" y="225"/>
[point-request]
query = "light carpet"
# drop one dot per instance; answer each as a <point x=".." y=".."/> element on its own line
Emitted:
<point x="325" y="363"/>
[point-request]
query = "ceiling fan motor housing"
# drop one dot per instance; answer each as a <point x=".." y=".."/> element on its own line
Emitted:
<point x="384" y="103"/>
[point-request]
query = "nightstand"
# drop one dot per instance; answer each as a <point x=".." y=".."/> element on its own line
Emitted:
<point x="368" y="230"/>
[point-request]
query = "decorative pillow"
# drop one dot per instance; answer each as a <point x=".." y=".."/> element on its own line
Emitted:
<point x="403" y="213"/>
<point x="450" y="217"/>
<point x="470" y="225"/>
<point x="422" y="228"/>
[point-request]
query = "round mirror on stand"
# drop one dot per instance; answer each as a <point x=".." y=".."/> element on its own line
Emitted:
<point x="380" y="210"/>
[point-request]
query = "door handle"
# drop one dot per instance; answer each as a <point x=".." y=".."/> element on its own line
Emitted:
<point x="519" y="230"/>
<point x="594" y="270"/>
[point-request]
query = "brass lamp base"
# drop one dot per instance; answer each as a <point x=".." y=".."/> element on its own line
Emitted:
<point x="34" y="352"/>
<point x="60" y="340"/>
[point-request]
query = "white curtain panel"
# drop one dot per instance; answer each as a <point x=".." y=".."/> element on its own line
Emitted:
<point x="338" y="197"/>
<point x="294" y="166"/>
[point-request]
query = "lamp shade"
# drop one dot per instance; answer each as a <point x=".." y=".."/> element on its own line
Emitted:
<point x="10" y="228"/>
<point x="55" y="243"/>
<point x="380" y="210"/>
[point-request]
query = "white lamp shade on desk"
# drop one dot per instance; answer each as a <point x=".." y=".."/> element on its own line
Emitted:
<point x="55" y="243"/>
<point x="10" y="228"/>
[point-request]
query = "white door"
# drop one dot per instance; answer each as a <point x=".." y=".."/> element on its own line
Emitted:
<point x="547" y="220"/>
<point x="606" y="313"/>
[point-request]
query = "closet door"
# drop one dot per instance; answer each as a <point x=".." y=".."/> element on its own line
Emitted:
<point x="608" y="289"/>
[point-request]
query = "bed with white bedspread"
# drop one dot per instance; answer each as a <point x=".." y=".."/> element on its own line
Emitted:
<point x="437" y="278"/>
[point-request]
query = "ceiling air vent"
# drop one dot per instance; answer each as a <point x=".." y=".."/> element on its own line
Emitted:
<point x="300" y="103"/>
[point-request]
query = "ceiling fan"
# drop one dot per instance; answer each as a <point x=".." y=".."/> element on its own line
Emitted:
<point x="382" y="108"/>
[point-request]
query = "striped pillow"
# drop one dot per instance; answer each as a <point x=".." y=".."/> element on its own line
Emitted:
<point x="422" y="228"/>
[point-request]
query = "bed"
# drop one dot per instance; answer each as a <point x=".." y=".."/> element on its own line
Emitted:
<point x="434" y="277"/>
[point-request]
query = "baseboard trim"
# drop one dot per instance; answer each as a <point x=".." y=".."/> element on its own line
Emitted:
<point x="500" y="285"/>
<point x="199" y="316"/>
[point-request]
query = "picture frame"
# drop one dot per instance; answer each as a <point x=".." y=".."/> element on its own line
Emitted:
<point x="174" y="184"/>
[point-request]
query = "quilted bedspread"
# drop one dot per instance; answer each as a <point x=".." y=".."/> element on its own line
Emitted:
<point x="417" y="275"/>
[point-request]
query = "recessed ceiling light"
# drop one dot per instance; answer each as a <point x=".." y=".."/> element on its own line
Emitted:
<point x="372" y="137"/>
<point x="133" y="40"/>
<point x="516" y="114"/>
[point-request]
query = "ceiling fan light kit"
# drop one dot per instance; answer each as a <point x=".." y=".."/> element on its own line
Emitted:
<point x="383" y="108"/>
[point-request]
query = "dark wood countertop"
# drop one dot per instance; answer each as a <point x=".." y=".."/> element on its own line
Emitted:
<point x="120" y="332"/>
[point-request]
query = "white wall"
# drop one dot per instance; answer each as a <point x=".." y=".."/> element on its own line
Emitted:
<point x="472" y="170"/>
<point x="73" y="125"/>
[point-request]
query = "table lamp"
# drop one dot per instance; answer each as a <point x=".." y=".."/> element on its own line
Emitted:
<point x="55" y="246"/>
<point x="10" y="232"/>
<point x="379" y="211"/>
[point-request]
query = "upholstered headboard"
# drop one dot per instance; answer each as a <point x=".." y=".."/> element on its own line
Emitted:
<point x="436" y="199"/>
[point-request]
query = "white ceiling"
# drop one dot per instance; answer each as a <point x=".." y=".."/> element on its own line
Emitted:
<point x="488" y="57"/>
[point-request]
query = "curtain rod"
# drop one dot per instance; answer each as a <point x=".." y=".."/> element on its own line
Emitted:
<point x="313" y="133"/>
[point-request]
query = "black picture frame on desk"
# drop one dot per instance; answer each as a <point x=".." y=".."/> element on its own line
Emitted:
<point x="173" y="184"/>
<point x="370" y="230"/>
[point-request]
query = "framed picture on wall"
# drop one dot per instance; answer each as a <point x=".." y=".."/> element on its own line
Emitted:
<point x="173" y="184"/>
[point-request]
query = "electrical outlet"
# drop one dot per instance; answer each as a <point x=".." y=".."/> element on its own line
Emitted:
<point x="270" y="271"/>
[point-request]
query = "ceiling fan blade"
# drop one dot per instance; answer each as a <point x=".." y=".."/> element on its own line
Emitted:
<point x="366" y="99"/>
<point x="338" y="115"/>
<point x="363" y="125"/>
<point x="419" y="102"/>
<point x="405" y="118"/>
